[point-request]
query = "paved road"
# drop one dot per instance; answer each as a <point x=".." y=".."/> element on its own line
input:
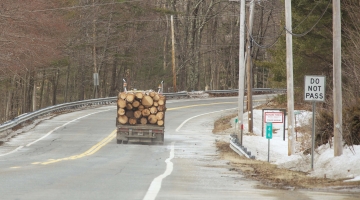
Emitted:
<point x="75" y="156"/>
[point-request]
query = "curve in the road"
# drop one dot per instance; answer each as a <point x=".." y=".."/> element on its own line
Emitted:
<point x="50" y="132"/>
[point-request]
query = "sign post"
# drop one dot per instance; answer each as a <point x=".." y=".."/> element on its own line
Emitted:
<point x="269" y="131"/>
<point x="315" y="92"/>
<point x="96" y="83"/>
<point x="296" y="113"/>
<point x="236" y="122"/>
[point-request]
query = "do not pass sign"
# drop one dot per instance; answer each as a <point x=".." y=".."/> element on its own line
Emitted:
<point x="314" y="88"/>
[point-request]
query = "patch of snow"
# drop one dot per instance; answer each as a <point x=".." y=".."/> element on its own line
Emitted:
<point x="325" y="164"/>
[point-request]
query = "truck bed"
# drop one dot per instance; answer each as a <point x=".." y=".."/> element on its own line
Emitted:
<point x="148" y="133"/>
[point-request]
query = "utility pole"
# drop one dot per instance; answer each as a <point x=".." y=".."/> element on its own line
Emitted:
<point x="337" y="93"/>
<point x="290" y="81"/>
<point x="249" y="67"/>
<point x="173" y="53"/>
<point x="241" y="70"/>
<point x="34" y="97"/>
<point x="95" y="75"/>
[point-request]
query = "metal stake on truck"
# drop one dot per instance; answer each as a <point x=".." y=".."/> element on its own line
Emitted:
<point x="140" y="116"/>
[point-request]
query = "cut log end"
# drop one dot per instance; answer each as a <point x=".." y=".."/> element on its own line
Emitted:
<point x="130" y="98"/>
<point x="139" y="95"/>
<point x="160" y="115"/>
<point x="122" y="95"/>
<point x="121" y="103"/>
<point x="161" y="102"/>
<point x="141" y="107"/>
<point x="121" y="111"/>
<point x="153" y="110"/>
<point x="136" y="104"/>
<point x="143" y="121"/>
<point x="147" y="101"/>
<point x="133" y="121"/>
<point x="129" y="106"/>
<point x="123" y="119"/>
<point x="156" y="97"/>
<point x="160" y="123"/>
<point x="137" y="114"/>
<point x="152" y="119"/>
<point x="161" y="108"/>
<point x="145" y="112"/>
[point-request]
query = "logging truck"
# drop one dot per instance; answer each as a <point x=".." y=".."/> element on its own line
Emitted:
<point x="140" y="117"/>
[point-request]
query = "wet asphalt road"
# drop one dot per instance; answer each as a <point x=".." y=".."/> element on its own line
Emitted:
<point x="75" y="156"/>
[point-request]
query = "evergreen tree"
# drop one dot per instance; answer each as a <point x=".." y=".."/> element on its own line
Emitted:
<point x="312" y="45"/>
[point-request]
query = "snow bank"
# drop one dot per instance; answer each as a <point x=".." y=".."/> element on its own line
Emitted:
<point x="346" y="166"/>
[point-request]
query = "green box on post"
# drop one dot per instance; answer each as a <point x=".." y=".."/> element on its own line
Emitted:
<point x="268" y="130"/>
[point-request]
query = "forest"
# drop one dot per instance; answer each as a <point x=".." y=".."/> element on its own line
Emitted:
<point x="57" y="51"/>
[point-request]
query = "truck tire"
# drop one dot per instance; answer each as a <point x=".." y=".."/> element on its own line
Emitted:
<point x="159" y="139"/>
<point x="119" y="141"/>
<point x="125" y="142"/>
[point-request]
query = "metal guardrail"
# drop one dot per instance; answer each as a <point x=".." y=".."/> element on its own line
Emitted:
<point x="255" y="90"/>
<point x="9" y="125"/>
<point x="6" y="127"/>
<point x="177" y="94"/>
<point x="238" y="148"/>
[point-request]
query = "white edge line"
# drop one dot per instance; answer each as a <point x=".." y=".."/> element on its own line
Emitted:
<point x="182" y="124"/>
<point x="47" y="134"/>
<point x="155" y="185"/>
<point x="208" y="99"/>
<point x="31" y="143"/>
<point x="20" y="147"/>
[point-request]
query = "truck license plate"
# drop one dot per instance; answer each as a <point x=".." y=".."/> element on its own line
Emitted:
<point x="140" y="133"/>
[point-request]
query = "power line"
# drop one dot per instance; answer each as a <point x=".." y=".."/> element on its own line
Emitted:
<point x="308" y="31"/>
<point x="266" y="46"/>
<point x="297" y="35"/>
<point x="307" y="16"/>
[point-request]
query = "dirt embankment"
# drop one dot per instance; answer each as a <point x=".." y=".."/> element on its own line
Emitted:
<point x="268" y="173"/>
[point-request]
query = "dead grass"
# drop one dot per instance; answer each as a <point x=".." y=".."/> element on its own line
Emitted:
<point x="223" y="123"/>
<point x="271" y="175"/>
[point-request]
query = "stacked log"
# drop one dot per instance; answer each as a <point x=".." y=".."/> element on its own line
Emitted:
<point x="141" y="107"/>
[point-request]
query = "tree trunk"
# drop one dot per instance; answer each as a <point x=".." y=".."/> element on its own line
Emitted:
<point x="34" y="97"/>
<point x="55" y="81"/>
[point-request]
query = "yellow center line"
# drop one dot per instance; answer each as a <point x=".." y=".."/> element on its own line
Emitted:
<point x="106" y="140"/>
<point x="200" y="105"/>
<point x="89" y="152"/>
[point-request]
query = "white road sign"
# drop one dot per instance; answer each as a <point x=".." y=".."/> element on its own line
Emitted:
<point x="314" y="88"/>
<point x="274" y="117"/>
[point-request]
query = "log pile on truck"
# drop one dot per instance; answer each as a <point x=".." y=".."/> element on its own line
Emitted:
<point x="141" y="107"/>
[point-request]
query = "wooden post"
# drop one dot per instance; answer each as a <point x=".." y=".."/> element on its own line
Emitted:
<point x="249" y="68"/>
<point x="173" y="53"/>
<point x="337" y="93"/>
<point x="290" y="81"/>
<point x="241" y="70"/>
